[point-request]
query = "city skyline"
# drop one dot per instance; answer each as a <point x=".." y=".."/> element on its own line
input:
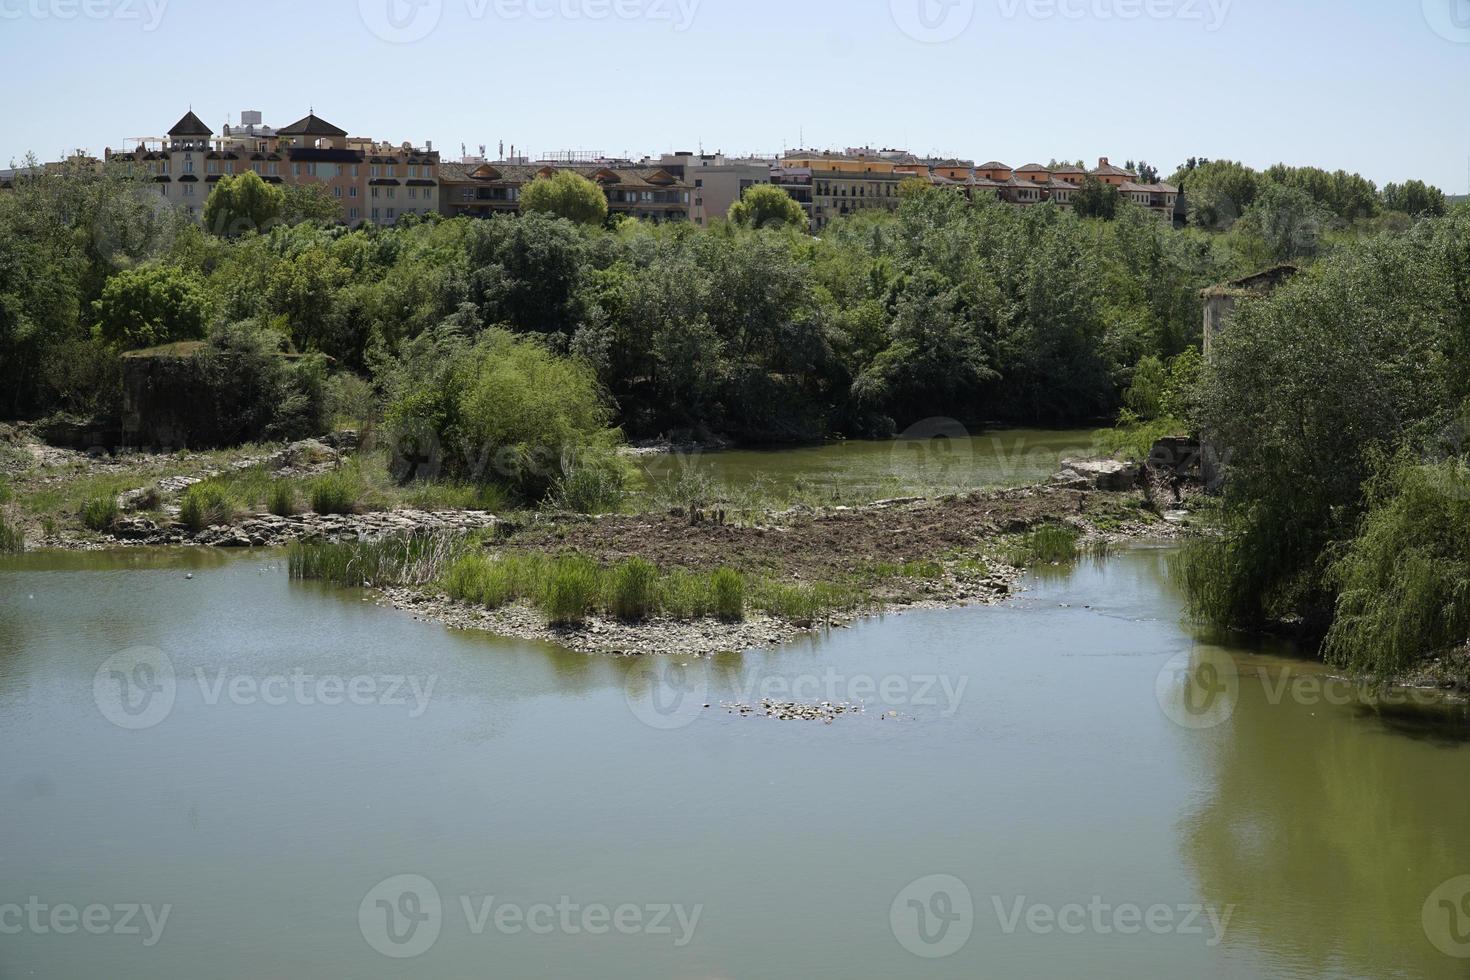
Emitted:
<point x="1019" y="81"/>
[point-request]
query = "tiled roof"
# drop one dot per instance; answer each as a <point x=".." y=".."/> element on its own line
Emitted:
<point x="514" y="173"/>
<point x="1031" y="168"/>
<point x="1068" y="169"/>
<point x="1108" y="170"/>
<point x="1137" y="188"/>
<point x="992" y="165"/>
<point x="312" y="125"/>
<point x="190" y="125"/>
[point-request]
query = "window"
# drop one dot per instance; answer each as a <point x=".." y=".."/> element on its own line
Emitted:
<point x="377" y="192"/>
<point x="337" y="192"/>
<point x="188" y="190"/>
<point x="413" y="193"/>
<point x="373" y="172"/>
<point x="352" y="191"/>
<point x="390" y="214"/>
<point x="213" y="167"/>
<point x="392" y="192"/>
<point x="188" y="163"/>
<point x="353" y="214"/>
<point x="354" y="170"/>
<point x="375" y="214"/>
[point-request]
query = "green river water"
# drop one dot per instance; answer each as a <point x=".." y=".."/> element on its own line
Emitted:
<point x="1073" y="784"/>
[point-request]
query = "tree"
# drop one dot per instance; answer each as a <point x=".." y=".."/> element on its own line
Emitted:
<point x="767" y="206"/>
<point x="1287" y="220"/>
<point x="308" y="202"/>
<point x="1147" y="173"/>
<point x="1218" y="192"/>
<point x="1414" y="197"/>
<point x="1094" y="199"/>
<point x="149" y="306"/>
<point x="566" y="194"/>
<point x="243" y="203"/>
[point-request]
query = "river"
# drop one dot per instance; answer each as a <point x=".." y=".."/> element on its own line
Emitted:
<point x="235" y="775"/>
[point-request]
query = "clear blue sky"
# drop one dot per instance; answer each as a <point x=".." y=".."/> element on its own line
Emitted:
<point x="1376" y="86"/>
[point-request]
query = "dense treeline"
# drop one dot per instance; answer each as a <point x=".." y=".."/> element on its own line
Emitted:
<point x="1340" y="405"/>
<point x="757" y="331"/>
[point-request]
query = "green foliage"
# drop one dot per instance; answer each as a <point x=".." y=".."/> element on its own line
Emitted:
<point x="767" y="206"/>
<point x="1217" y="192"/>
<point x="502" y="410"/>
<point x="149" y="306"/>
<point x="570" y="591"/>
<point x="100" y="513"/>
<point x="338" y="492"/>
<point x="634" y="588"/>
<point x="594" y="483"/>
<point x="1050" y="544"/>
<point x="728" y="587"/>
<point x="1363" y="355"/>
<point x="566" y="194"/>
<point x="283" y="502"/>
<point x="12" y="537"/>
<point x="1094" y="199"/>
<point x="415" y="559"/>
<point x="1414" y="197"/>
<point x="243" y="203"/>
<point x="1404" y="581"/>
<point x="208" y="504"/>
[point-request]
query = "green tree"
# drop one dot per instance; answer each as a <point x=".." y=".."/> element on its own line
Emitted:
<point x="1217" y="191"/>
<point x="150" y="305"/>
<point x="767" y="206"/>
<point x="243" y="203"/>
<point x="566" y="194"/>
<point x="1094" y="199"/>
<point x="308" y="202"/>
<point x="1414" y="197"/>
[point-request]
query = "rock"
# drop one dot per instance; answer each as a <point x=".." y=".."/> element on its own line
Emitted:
<point x="1098" y="474"/>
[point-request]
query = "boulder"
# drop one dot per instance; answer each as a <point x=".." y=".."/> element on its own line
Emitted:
<point x="1098" y="474"/>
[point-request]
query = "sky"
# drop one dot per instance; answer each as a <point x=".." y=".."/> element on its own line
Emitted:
<point x="1380" y="87"/>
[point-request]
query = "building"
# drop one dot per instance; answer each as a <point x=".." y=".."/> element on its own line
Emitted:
<point x="829" y="185"/>
<point x="716" y="182"/>
<point x="371" y="181"/>
<point x="478" y="190"/>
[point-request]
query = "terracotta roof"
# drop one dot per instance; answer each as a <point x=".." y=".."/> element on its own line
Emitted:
<point x="525" y="173"/>
<point x="1031" y="168"/>
<point x="1068" y="169"/>
<point x="1137" y="188"/>
<point x="312" y="125"/>
<point x="191" y="125"/>
<point x="1108" y="170"/>
<point x="992" y="165"/>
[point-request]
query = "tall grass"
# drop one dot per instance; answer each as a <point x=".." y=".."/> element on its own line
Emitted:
<point x="282" y="500"/>
<point x="100" y="513"/>
<point x="12" y="538"/>
<point x="1050" y="544"/>
<point x="414" y="559"/>
<point x="571" y="591"/>
<point x="728" y="587"/>
<point x="338" y="492"/>
<point x="207" y="504"/>
<point x="634" y="590"/>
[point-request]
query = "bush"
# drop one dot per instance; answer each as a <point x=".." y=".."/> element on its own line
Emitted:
<point x="571" y="591"/>
<point x="503" y="410"/>
<point x="100" y="513"/>
<point x="338" y="492"/>
<point x="1404" y="581"/>
<point x="634" y="588"/>
<point x="728" y="587"/>
<point x="1050" y="544"/>
<point x="150" y="305"/>
<point x="205" y="505"/>
<point x="282" y="500"/>
<point x="593" y="485"/>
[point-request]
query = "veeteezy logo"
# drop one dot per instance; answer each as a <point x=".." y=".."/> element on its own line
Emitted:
<point x="147" y="13"/>
<point x="407" y="21"/>
<point x="138" y="688"/>
<point x="1210" y="13"/>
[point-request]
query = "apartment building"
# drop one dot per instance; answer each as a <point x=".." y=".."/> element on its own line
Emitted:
<point x="479" y="189"/>
<point x="371" y="181"/>
<point x="829" y="185"/>
<point x="1034" y="183"/>
<point x="716" y="182"/>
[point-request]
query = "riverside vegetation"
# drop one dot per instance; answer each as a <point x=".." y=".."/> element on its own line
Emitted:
<point x="501" y="363"/>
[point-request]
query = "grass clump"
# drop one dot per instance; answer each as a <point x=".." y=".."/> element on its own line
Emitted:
<point x="496" y="582"/>
<point x="338" y="492"/>
<point x="12" y="538"/>
<point x="282" y="501"/>
<point x="207" y="504"/>
<point x="1050" y="544"/>
<point x="100" y="513"/>
<point x="414" y="559"/>
<point x="455" y="495"/>
<point x="806" y="602"/>
<point x="633" y="589"/>
<point x="571" y="591"/>
<point x="728" y="587"/>
<point x="593" y="485"/>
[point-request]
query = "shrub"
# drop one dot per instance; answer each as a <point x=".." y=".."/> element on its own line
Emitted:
<point x="1051" y="544"/>
<point x="282" y="500"/>
<point x="571" y="591"/>
<point x="206" y="505"/>
<point x="495" y="583"/>
<point x="593" y="485"/>
<point x="338" y="492"/>
<point x="728" y="587"/>
<point x="684" y="595"/>
<point x="100" y="513"/>
<point x="634" y="590"/>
